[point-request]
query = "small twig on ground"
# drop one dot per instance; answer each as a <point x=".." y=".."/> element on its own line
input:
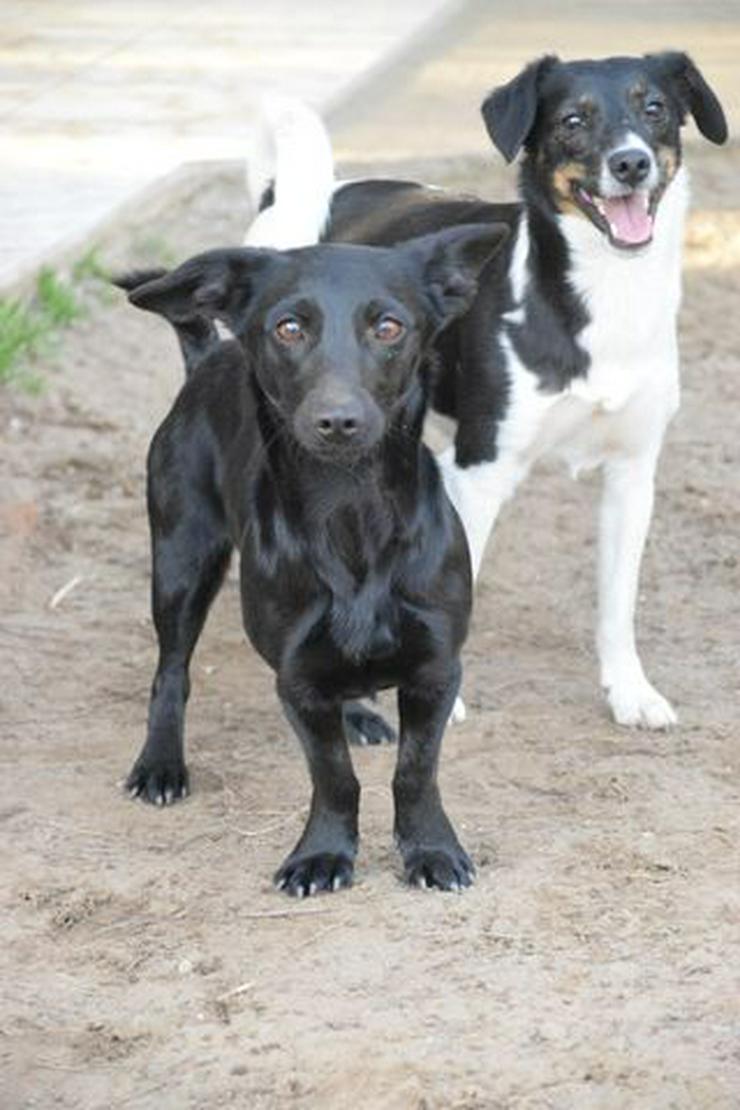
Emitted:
<point x="65" y="590"/>
<point x="241" y="989"/>
<point x="286" y="913"/>
<point x="317" y="937"/>
<point x="52" y="1065"/>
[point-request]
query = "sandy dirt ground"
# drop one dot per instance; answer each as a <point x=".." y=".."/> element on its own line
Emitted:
<point x="146" y="960"/>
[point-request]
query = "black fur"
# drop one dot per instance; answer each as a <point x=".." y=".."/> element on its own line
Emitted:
<point x="530" y="112"/>
<point x="299" y="443"/>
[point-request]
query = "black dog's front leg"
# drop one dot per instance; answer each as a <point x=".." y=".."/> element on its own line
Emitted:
<point x="432" y="854"/>
<point x="189" y="563"/>
<point x="323" y="858"/>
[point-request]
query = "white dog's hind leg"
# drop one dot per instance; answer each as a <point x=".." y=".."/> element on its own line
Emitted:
<point x="626" y="509"/>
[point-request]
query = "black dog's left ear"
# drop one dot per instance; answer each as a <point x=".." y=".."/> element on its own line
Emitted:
<point x="451" y="262"/>
<point x="694" y="94"/>
<point x="510" y="110"/>
<point x="217" y="284"/>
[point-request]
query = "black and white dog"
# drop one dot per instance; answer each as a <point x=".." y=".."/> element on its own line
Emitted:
<point x="570" y="347"/>
<point x="299" y="443"/>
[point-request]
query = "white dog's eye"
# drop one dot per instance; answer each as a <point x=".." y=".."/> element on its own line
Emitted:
<point x="388" y="329"/>
<point x="289" y="330"/>
<point x="573" y="121"/>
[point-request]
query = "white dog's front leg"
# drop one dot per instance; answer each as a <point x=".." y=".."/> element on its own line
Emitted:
<point x="626" y="509"/>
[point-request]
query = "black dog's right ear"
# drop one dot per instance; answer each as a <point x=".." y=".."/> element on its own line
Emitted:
<point x="217" y="284"/>
<point x="451" y="262"/>
<point x="509" y="111"/>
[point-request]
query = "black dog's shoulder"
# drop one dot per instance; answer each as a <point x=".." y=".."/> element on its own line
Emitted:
<point x="218" y="382"/>
<point x="214" y="404"/>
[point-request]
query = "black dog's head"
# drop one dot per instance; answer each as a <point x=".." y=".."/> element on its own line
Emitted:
<point x="334" y="334"/>
<point x="603" y="136"/>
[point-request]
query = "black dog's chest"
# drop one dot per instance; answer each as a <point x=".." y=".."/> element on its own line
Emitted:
<point x="392" y="651"/>
<point x="359" y="637"/>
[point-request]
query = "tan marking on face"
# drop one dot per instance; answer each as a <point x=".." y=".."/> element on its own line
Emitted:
<point x="563" y="178"/>
<point x="668" y="163"/>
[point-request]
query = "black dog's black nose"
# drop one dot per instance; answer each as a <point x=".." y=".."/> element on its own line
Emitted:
<point x="340" y="422"/>
<point x="630" y="167"/>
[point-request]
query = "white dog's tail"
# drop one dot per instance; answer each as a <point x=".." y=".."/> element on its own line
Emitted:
<point x="293" y="160"/>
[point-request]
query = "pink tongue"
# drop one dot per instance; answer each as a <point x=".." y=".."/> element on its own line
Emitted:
<point x="629" y="218"/>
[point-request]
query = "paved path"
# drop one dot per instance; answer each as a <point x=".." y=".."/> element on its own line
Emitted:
<point x="100" y="97"/>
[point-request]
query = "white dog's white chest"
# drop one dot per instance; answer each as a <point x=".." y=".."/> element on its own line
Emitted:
<point x="631" y="387"/>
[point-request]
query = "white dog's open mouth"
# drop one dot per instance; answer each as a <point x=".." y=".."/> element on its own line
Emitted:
<point x="627" y="220"/>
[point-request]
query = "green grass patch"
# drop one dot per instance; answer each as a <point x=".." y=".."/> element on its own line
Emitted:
<point x="28" y="330"/>
<point x="56" y="299"/>
<point x="31" y="330"/>
<point x="22" y="331"/>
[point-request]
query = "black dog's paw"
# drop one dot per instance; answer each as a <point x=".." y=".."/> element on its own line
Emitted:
<point x="363" y="726"/>
<point x="440" y="868"/>
<point x="307" y="875"/>
<point x="160" y="783"/>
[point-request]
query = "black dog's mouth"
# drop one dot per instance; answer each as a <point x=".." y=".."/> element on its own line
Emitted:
<point x="627" y="221"/>
<point x="346" y="455"/>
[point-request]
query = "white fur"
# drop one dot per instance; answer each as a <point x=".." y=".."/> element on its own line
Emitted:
<point x="608" y="185"/>
<point x="615" y="417"/>
<point x="292" y="149"/>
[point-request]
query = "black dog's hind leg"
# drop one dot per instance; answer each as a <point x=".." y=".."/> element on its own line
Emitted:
<point x="432" y="854"/>
<point x="323" y="858"/>
<point x="189" y="563"/>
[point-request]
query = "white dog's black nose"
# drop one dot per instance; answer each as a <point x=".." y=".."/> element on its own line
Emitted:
<point x="630" y="166"/>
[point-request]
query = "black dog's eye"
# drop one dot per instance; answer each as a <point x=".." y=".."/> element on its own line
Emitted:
<point x="289" y="330"/>
<point x="388" y="329"/>
<point x="654" y="109"/>
<point x="573" y="121"/>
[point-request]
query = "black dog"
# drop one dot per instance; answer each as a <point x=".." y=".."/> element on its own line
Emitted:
<point x="299" y="443"/>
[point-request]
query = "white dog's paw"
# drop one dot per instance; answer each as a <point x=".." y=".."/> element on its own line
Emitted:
<point x="459" y="712"/>
<point x="639" y="705"/>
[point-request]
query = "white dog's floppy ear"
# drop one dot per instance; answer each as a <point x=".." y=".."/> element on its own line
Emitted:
<point x="451" y="262"/>
<point x="693" y="93"/>
<point x="509" y="111"/>
<point x="217" y="284"/>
